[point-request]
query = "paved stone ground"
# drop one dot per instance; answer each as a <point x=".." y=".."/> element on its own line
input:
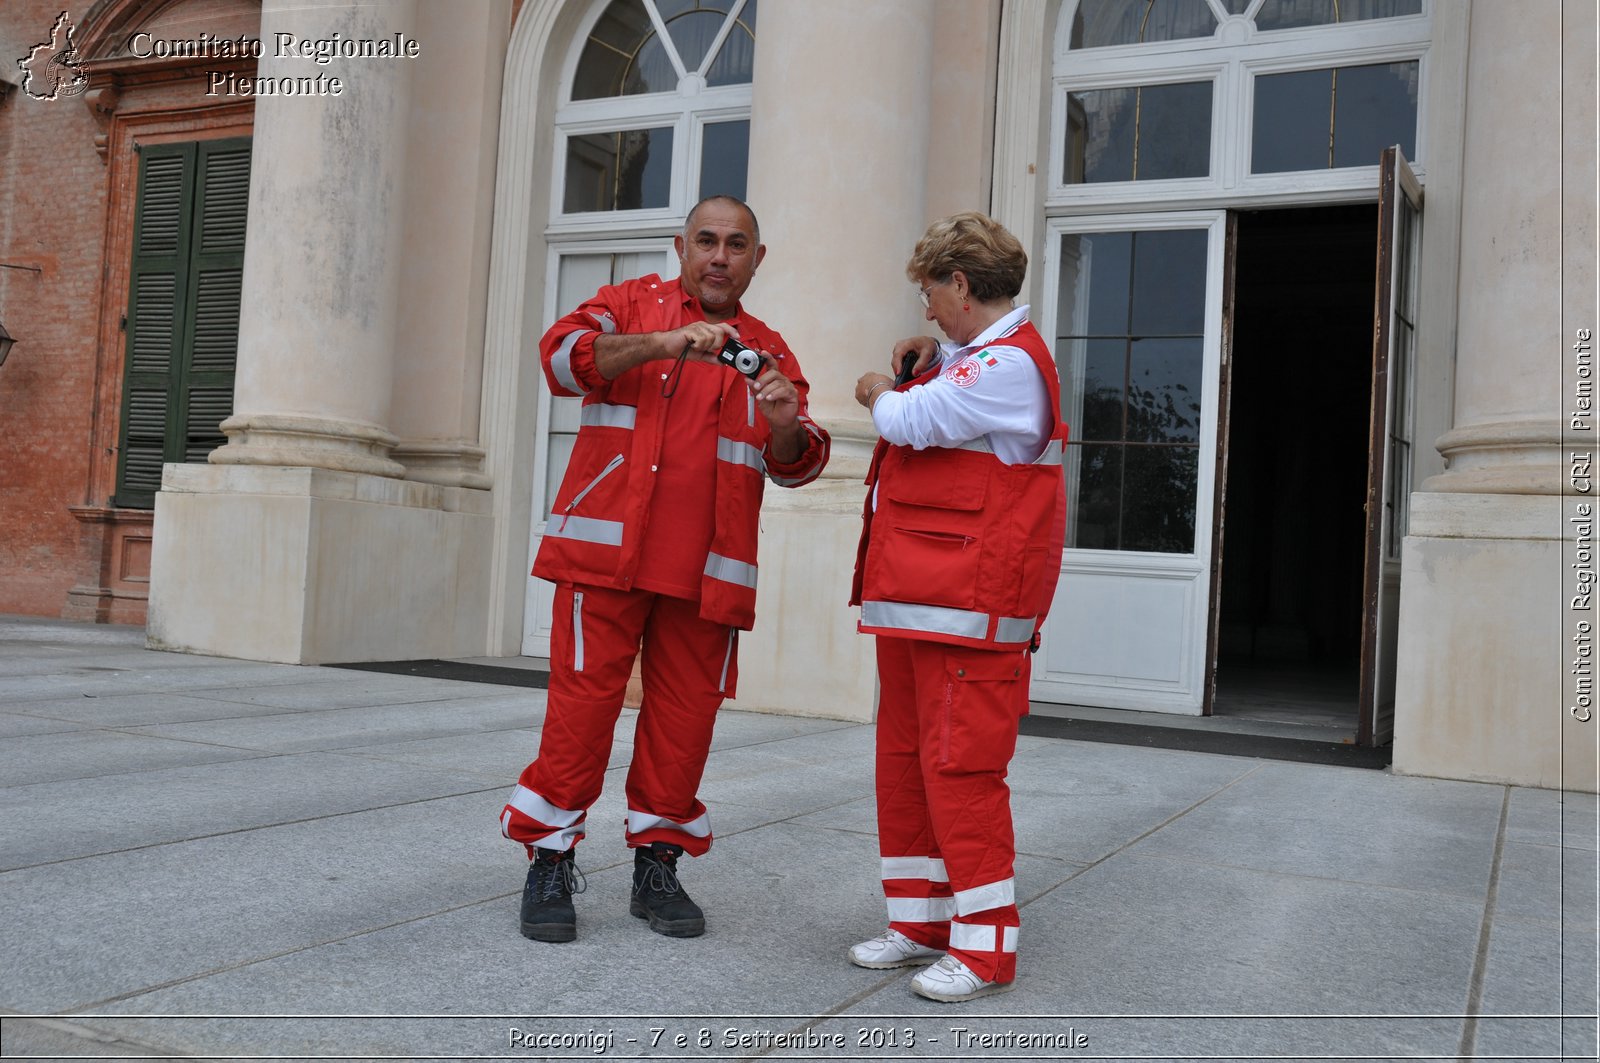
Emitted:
<point x="212" y="858"/>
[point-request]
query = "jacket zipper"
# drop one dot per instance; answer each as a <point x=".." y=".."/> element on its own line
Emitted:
<point x="607" y="471"/>
<point x="577" y="631"/>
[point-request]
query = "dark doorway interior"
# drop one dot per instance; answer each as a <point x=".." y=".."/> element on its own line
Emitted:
<point x="1289" y="640"/>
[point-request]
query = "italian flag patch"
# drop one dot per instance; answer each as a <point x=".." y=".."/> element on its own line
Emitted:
<point x="988" y="358"/>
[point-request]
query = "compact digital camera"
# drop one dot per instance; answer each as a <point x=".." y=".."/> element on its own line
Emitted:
<point x="741" y="358"/>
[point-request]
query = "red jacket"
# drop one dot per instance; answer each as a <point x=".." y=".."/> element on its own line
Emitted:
<point x="594" y="533"/>
<point x="964" y="548"/>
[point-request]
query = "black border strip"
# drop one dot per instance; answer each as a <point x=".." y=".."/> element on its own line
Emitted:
<point x="1194" y="740"/>
<point x="458" y="670"/>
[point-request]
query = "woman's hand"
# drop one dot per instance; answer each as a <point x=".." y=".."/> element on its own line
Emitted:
<point x="870" y="386"/>
<point x="920" y="348"/>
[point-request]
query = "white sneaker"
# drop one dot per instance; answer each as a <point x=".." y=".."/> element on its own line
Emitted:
<point x="892" y="949"/>
<point x="951" y="981"/>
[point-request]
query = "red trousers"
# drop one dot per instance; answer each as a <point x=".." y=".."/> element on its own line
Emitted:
<point x="690" y="665"/>
<point x="947" y="727"/>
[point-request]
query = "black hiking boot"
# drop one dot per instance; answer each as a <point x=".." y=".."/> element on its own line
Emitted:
<point x="659" y="897"/>
<point x="547" y="912"/>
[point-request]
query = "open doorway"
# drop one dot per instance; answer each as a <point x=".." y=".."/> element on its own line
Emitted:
<point x="1290" y="604"/>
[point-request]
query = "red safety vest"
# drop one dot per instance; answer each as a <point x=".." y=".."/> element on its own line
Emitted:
<point x="964" y="548"/>
<point x="594" y="532"/>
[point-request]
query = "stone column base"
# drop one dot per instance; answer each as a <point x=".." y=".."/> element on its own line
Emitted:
<point x="1482" y="687"/>
<point x="313" y="566"/>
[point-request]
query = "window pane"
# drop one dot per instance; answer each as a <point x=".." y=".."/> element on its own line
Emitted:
<point x="1094" y="508"/>
<point x="1104" y="22"/>
<point x="1236" y="7"/>
<point x="692" y="34"/>
<point x="608" y="54"/>
<point x="1164" y="390"/>
<point x="1291" y="121"/>
<point x="724" y="158"/>
<point x="1158" y="499"/>
<point x="1132" y="362"/>
<point x="1169" y="283"/>
<point x="735" y="62"/>
<point x="1143" y="133"/>
<point x="1369" y="107"/>
<point x="1095" y="272"/>
<point x="1374" y="107"/>
<point x="1105" y="366"/>
<point x="1292" y="14"/>
<point x="628" y="170"/>
<point x="651" y="70"/>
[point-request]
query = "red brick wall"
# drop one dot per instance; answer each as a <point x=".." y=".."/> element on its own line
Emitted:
<point x="52" y="215"/>
<point x="69" y="211"/>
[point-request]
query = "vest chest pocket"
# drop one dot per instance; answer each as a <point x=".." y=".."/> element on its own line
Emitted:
<point x="928" y="566"/>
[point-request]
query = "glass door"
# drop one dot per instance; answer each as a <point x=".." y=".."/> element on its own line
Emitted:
<point x="1137" y="323"/>
<point x="579" y="272"/>
<point x="1389" y="456"/>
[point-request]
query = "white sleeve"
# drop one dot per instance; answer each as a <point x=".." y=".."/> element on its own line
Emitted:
<point x="996" y="392"/>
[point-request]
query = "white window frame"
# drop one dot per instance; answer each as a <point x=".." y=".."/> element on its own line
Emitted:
<point x="1232" y="58"/>
<point x="685" y="110"/>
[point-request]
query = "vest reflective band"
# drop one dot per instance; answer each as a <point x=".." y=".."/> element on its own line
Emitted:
<point x="737" y="453"/>
<point x="607" y="415"/>
<point x="729" y="570"/>
<point x="587" y="530"/>
<point x="962" y="623"/>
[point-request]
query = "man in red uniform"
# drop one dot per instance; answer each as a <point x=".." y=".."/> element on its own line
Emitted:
<point x="652" y="541"/>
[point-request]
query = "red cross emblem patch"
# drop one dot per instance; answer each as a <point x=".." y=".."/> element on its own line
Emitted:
<point x="964" y="373"/>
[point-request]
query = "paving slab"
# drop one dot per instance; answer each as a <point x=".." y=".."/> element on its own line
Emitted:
<point x="47" y="822"/>
<point x="1550" y="817"/>
<point x="1547" y="882"/>
<point x="16" y="725"/>
<point x="99" y="754"/>
<point x="86" y="930"/>
<point x="1536" y="969"/>
<point x="357" y="718"/>
<point x="1336" y="823"/>
<point x="137" y="710"/>
<point x="749" y="960"/>
<point x="236" y="677"/>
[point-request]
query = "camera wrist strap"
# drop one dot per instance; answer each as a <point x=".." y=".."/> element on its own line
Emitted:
<point x="669" y="383"/>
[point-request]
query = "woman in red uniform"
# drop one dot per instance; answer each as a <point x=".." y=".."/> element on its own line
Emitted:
<point x="964" y="524"/>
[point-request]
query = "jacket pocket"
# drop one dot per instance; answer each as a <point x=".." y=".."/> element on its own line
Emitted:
<point x="611" y="466"/>
<point x="927" y="565"/>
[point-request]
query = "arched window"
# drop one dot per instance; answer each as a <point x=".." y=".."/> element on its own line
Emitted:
<point x="655" y="112"/>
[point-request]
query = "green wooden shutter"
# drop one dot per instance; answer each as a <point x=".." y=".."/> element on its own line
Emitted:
<point x="183" y="309"/>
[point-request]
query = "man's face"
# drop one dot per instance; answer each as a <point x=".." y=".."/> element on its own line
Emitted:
<point x="719" y="256"/>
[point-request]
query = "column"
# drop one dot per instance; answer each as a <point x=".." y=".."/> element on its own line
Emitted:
<point x="1480" y="692"/>
<point x="316" y="535"/>
<point x="444" y="277"/>
<point x="321" y="271"/>
<point x="842" y="178"/>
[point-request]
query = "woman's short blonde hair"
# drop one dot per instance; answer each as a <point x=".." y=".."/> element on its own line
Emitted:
<point x="977" y="245"/>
